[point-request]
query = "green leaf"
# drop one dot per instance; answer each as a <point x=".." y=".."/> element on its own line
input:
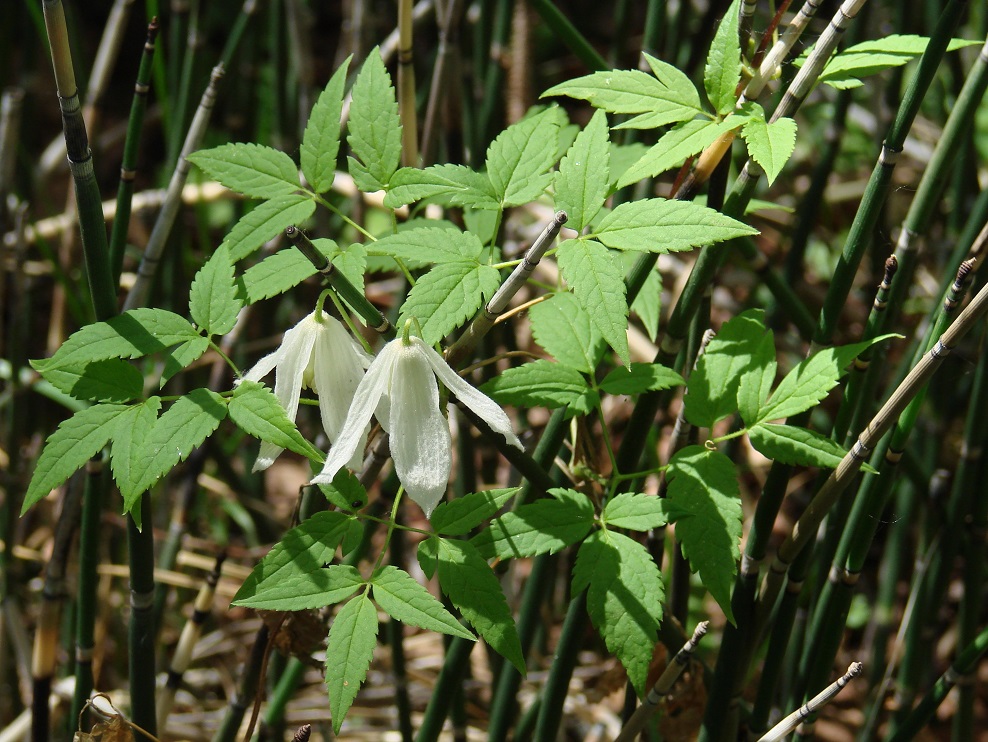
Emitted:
<point x="517" y="160"/>
<point x="872" y="57"/>
<point x="471" y="585"/>
<point x="757" y="379"/>
<point x="275" y="275"/>
<point x="659" y="225"/>
<point x="402" y="598"/>
<point x="321" y="139"/>
<point x="544" y="526"/>
<point x="266" y="221"/>
<point x="182" y="356"/>
<point x="667" y="97"/>
<point x="129" y="454"/>
<point x="624" y="598"/>
<point x="732" y="353"/>
<point x="351" y="262"/>
<point x="462" y="515"/>
<point x="374" y="126"/>
<point x="346" y="492"/>
<point x="648" y="303"/>
<point x="564" y="329"/>
<point x="213" y="301"/>
<point x="251" y="169"/>
<point x="135" y="333"/>
<point x="640" y="377"/>
<point x="179" y="430"/>
<point x="447" y="296"/>
<point x="789" y="444"/>
<point x="293" y="576"/>
<point x="257" y="412"/>
<point x="636" y="512"/>
<point x="584" y="174"/>
<point x="349" y="651"/>
<point x="703" y="500"/>
<point x="811" y="380"/>
<point x="69" y="448"/>
<point x="543" y="383"/>
<point x="722" y="73"/>
<point x="676" y="146"/>
<point x="770" y="145"/>
<point x="430" y="245"/>
<point x="108" y="380"/>
<point x="452" y="185"/>
<point x="623" y="156"/>
<point x="592" y="273"/>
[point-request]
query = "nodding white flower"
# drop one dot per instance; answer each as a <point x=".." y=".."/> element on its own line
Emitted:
<point x="318" y="354"/>
<point x="400" y="386"/>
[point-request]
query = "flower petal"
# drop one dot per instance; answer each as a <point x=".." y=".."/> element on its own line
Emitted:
<point x="369" y="391"/>
<point x="420" y="442"/>
<point x="298" y="343"/>
<point x="485" y="407"/>
<point x="338" y="371"/>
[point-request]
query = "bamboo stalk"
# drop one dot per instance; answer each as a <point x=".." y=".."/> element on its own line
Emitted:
<point x="444" y="88"/>
<point x="824" y="697"/>
<point x="563" y="663"/>
<point x="563" y="28"/>
<point x="406" y="87"/>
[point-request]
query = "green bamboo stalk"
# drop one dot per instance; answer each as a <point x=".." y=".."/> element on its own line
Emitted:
<point x="443" y="89"/>
<point x="250" y="676"/>
<point x="841" y="477"/>
<point x="141" y="634"/>
<point x="652" y="32"/>
<point x="563" y="663"/>
<point x="561" y="26"/>
<point x="746" y="20"/>
<point x="11" y="109"/>
<point x="406" y="87"/>
<point x="173" y="85"/>
<point x="859" y="236"/>
<point x="148" y="269"/>
<point x="484" y="125"/>
<point x="963" y="666"/>
<point x="449" y="680"/>
<point x="135" y="123"/>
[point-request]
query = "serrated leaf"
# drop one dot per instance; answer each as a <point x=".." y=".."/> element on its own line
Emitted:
<point x="636" y="512"/>
<point x="676" y="146"/>
<point x="321" y="138"/>
<point x="346" y="492"/>
<point x="757" y="379"/>
<point x="640" y="377"/>
<point x="471" y="585"/>
<point x="648" y="303"/>
<point x="182" y="356"/>
<point x="135" y="333"/>
<point x="722" y="73"/>
<point x="584" y="174"/>
<point x="462" y="515"/>
<point x="275" y="275"/>
<point x="520" y="156"/>
<point x="624" y="598"/>
<point x="374" y="126"/>
<point x="667" y="96"/>
<point x="265" y="221"/>
<point x="453" y="185"/>
<point x="257" y="412"/>
<point x="179" y="430"/>
<point x="402" y="598"/>
<point x="447" y="296"/>
<point x="659" y="225"/>
<point x="769" y="144"/>
<point x="876" y="55"/>
<point x="294" y="575"/>
<point x="564" y="329"/>
<point x="349" y="651"/>
<point x="213" y="301"/>
<point x="593" y="275"/>
<point x="430" y="245"/>
<point x="789" y="444"/>
<point x="108" y="380"/>
<point x="67" y="450"/>
<point x="703" y="500"/>
<point x="351" y="262"/>
<point x="544" y="526"/>
<point x="251" y="169"/>
<point x="543" y="383"/>
<point x="128" y="456"/>
<point x="812" y="380"/>
<point x="732" y="353"/>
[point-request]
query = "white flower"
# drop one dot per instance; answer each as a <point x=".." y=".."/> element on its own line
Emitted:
<point x="400" y="386"/>
<point x="319" y="354"/>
